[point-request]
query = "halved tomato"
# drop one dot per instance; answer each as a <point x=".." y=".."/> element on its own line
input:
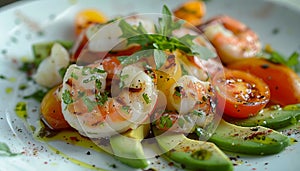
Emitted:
<point x="52" y="112"/>
<point x="241" y="94"/>
<point x="283" y="82"/>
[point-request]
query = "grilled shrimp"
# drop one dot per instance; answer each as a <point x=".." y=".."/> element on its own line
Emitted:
<point x="192" y="101"/>
<point x="89" y="108"/>
<point x="232" y="39"/>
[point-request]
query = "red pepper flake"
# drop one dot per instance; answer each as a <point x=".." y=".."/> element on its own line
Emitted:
<point x="74" y="139"/>
<point x="45" y="162"/>
<point x="253" y="168"/>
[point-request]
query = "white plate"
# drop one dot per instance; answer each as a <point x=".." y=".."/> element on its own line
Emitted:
<point x="24" y="23"/>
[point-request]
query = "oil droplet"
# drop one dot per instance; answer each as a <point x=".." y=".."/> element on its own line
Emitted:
<point x="8" y="90"/>
<point x="21" y="110"/>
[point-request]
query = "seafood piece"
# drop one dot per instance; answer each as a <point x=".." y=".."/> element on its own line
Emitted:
<point x="47" y="73"/>
<point x="232" y="39"/>
<point x="192" y="100"/>
<point x="189" y="93"/>
<point x="90" y="109"/>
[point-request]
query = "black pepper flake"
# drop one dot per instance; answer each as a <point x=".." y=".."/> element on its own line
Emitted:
<point x="113" y="166"/>
<point x="88" y="153"/>
<point x="264" y="66"/>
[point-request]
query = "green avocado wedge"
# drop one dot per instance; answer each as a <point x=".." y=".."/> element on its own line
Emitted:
<point x="192" y="154"/>
<point x="249" y="140"/>
<point x="128" y="148"/>
<point x="272" y="117"/>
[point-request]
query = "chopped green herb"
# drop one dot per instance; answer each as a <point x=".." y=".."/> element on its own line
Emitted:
<point x="98" y="84"/>
<point x="5" y="150"/>
<point x="183" y="70"/>
<point x="146" y="98"/>
<point x="126" y="109"/>
<point x="198" y="113"/>
<point x="66" y="97"/>
<point x="22" y="87"/>
<point x="178" y="91"/>
<point x="2" y="77"/>
<point x="101" y="98"/>
<point x="89" y="103"/>
<point x="92" y="78"/>
<point x="37" y="95"/>
<point x="165" y="122"/>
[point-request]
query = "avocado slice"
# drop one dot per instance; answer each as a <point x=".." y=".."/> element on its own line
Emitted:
<point x="128" y="148"/>
<point x="192" y="154"/>
<point x="249" y="140"/>
<point x="273" y="117"/>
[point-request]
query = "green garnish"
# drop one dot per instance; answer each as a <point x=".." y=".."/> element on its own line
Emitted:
<point x="66" y="97"/>
<point x="146" y="98"/>
<point x="37" y="95"/>
<point x="165" y="122"/>
<point x="101" y="98"/>
<point x="5" y="150"/>
<point x="198" y="112"/>
<point x="92" y="78"/>
<point x="292" y="61"/>
<point x="2" y="77"/>
<point x="126" y="109"/>
<point x="98" y="84"/>
<point x="62" y="71"/>
<point x="163" y="39"/>
<point x="90" y="104"/>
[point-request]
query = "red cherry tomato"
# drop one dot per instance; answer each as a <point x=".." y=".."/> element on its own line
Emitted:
<point x="241" y="94"/>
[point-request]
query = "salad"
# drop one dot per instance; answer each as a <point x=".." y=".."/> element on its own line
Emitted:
<point x="193" y="86"/>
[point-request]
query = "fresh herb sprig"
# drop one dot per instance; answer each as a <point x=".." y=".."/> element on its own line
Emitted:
<point x="292" y="61"/>
<point x="163" y="38"/>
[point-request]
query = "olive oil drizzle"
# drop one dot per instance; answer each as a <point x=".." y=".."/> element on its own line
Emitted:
<point x="45" y="134"/>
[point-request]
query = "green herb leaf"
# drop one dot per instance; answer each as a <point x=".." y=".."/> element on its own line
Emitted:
<point x="62" y="71"/>
<point x="163" y="39"/>
<point x="292" y="61"/>
<point x="127" y="60"/>
<point x="5" y="150"/>
<point x="202" y="52"/>
<point x="102" y="98"/>
<point x="160" y="58"/>
<point x="165" y="122"/>
<point x="146" y="98"/>
<point x="90" y="104"/>
<point x="37" y="95"/>
<point x="66" y="97"/>
<point x="2" y="77"/>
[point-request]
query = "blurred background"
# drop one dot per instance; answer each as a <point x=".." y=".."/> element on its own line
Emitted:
<point x="5" y="2"/>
